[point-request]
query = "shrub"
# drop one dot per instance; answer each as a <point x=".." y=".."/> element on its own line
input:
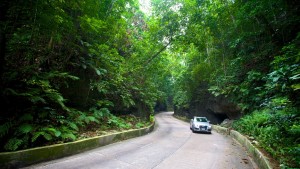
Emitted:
<point x="277" y="132"/>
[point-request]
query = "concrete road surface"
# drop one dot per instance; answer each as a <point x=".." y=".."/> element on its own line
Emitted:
<point x="171" y="146"/>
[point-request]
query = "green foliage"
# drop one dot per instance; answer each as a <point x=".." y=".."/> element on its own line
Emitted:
<point x="68" y="66"/>
<point x="25" y="128"/>
<point x="277" y="132"/>
<point x="140" y="125"/>
<point x="181" y="100"/>
<point x="4" y="128"/>
<point x="71" y="67"/>
<point x="152" y="119"/>
<point x="247" y="51"/>
<point x="118" y="122"/>
<point x="13" y="144"/>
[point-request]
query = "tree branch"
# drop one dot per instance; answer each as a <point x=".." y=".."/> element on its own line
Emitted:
<point x="157" y="53"/>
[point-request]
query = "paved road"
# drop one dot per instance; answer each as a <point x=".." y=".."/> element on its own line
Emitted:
<point x="171" y="146"/>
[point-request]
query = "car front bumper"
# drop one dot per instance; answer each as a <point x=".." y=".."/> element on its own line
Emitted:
<point x="202" y="129"/>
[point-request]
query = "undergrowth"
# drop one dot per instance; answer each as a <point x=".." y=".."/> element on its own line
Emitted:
<point x="278" y="132"/>
<point x="30" y="131"/>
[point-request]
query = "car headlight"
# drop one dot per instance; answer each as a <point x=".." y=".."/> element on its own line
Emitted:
<point x="209" y="127"/>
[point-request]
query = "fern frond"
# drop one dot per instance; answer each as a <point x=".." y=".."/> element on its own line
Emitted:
<point x="87" y="120"/>
<point x="26" y="117"/>
<point x="43" y="114"/>
<point x="92" y="119"/>
<point x="53" y="131"/>
<point x="57" y="133"/>
<point x="73" y="126"/>
<point x="37" y="135"/>
<point x="54" y="74"/>
<point x="100" y="113"/>
<point x="25" y="128"/>
<point x="36" y="99"/>
<point x="4" y="128"/>
<point x="9" y="91"/>
<point x="82" y="117"/>
<point x="13" y="144"/>
<point x="47" y="136"/>
<point x="68" y="136"/>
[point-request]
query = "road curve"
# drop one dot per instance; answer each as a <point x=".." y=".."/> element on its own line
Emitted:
<point x="171" y="146"/>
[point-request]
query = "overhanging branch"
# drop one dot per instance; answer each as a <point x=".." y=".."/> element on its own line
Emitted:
<point x="157" y="53"/>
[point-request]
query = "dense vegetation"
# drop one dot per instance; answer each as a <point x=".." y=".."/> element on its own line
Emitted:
<point x="73" y="66"/>
<point x="248" y="52"/>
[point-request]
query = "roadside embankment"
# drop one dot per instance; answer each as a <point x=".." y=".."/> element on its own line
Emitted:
<point x="259" y="158"/>
<point x="27" y="157"/>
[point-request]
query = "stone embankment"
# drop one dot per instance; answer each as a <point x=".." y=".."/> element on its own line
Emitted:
<point x="259" y="158"/>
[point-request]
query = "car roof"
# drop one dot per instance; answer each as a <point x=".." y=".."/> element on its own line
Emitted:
<point x="199" y="117"/>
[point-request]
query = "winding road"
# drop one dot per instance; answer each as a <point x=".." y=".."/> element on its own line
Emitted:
<point x="171" y="146"/>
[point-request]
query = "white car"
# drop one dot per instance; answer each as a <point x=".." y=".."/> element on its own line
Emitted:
<point x="200" y="124"/>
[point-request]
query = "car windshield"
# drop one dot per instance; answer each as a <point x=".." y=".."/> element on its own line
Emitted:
<point x="199" y="119"/>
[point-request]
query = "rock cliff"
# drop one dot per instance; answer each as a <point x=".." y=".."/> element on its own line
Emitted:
<point x="216" y="109"/>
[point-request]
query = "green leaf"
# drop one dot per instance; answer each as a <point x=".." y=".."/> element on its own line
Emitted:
<point x="13" y="144"/>
<point x="47" y="136"/>
<point x="26" y="117"/>
<point x="73" y="126"/>
<point x="57" y="133"/>
<point x="25" y="128"/>
<point x="37" y="135"/>
<point x="93" y="119"/>
<point x="68" y="136"/>
<point x="295" y="77"/>
<point x="54" y="131"/>
<point x="296" y="86"/>
<point x="4" y="128"/>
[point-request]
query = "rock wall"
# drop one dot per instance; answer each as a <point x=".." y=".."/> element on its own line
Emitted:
<point x="216" y="109"/>
<point x="221" y="105"/>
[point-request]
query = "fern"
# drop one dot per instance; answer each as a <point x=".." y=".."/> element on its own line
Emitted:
<point x="10" y="91"/>
<point x="56" y="97"/>
<point x="73" y="125"/>
<point x="57" y="133"/>
<point x="86" y="120"/>
<point x="37" y="135"/>
<point x="26" y="117"/>
<point x="55" y="74"/>
<point x="70" y="136"/>
<point x="25" y="128"/>
<point x="81" y="118"/>
<point x="92" y="119"/>
<point x="48" y="136"/>
<point x="100" y="113"/>
<point x="13" y="144"/>
<point x="37" y="99"/>
<point x="4" y="128"/>
<point x="52" y="131"/>
<point x="43" y="114"/>
<point x="67" y="133"/>
<point x="139" y="125"/>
